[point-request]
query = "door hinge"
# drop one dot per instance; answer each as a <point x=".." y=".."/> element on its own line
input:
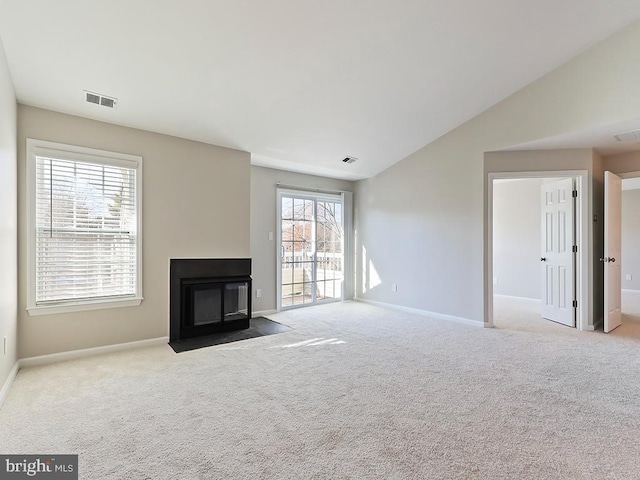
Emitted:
<point x="575" y="249"/>
<point x="575" y="194"/>
<point x="575" y="304"/>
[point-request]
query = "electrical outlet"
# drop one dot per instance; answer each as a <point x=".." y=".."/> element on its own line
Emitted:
<point x="495" y="280"/>
<point x="270" y="235"/>
<point x="258" y="292"/>
<point x="628" y="276"/>
<point x="394" y="287"/>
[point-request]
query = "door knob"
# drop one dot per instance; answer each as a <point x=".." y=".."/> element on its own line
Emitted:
<point x="611" y="259"/>
<point x="543" y="259"/>
<point x="608" y="259"/>
<point x="605" y="259"/>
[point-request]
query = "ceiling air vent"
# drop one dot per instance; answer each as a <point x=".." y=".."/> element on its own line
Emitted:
<point x="99" y="99"/>
<point x="91" y="98"/>
<point x="107" y="102"/>
<point x="628" y="136"/>
<point x="349" y="159"/>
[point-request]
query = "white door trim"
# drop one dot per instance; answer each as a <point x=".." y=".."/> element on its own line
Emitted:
<point x="583" y="214"/>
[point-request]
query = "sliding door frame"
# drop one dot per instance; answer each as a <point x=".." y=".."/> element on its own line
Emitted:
<point x="345" y="199"/>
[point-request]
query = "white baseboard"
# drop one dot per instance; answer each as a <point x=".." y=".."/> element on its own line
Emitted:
<point x="262" y="313"/>
<point x="517" y="298"/>
<point x="88" y="352"/>
<point x="424" y="313"/>
<point x="8" y="382"/>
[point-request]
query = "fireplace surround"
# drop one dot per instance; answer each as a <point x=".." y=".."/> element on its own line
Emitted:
<point x="208" y="296"/>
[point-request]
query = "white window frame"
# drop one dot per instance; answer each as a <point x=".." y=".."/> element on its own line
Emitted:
<point x="41" y="148"/>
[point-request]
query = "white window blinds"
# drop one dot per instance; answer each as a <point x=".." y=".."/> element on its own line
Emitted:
<point x="85" y="231"/>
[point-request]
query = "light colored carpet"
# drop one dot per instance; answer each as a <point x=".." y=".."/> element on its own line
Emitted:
<point x="376" y="394"/>
<point x="523" y="315"/>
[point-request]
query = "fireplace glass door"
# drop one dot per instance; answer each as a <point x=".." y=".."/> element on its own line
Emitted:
<point x="236" y="301"/>
<point x="207" y="304"/>
<point x="211" y="306"/>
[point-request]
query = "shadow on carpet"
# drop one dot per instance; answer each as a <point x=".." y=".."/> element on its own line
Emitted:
<point x="258" y="327"/>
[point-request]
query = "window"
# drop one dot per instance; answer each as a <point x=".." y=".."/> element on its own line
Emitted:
<point x="84" y="228"/>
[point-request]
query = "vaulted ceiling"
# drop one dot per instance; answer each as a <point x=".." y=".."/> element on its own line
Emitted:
<point x="300" y="84"/>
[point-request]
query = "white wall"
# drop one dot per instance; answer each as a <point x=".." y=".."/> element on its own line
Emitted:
<point x="264" y="183"/>
<point x="631" y="239"/>
<point x="196" y="203"/>
<point x="8" y="222"/>
<point x="517" y="237"/>
<point x="422" y="220"/>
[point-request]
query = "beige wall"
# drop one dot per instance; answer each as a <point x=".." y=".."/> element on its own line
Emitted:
<point x="421" y="221"/>
<point x="631" y="239"/>
<point x="264" y="183"/>
<point x="8" y="222"/>
<point x="623" y="162"/>
<point x="196" y="203"/>
<point x="516" y="238"/>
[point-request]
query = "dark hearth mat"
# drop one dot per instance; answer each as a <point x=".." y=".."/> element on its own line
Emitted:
<point x="258" y="327"/>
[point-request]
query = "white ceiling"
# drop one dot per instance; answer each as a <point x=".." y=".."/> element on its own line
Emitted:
<point x="631" y="183"/>
<point x="300" y="84"/>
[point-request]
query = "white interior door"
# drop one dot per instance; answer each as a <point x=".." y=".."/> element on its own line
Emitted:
<point x="612" y="251"/>
<point x="558" y="257"/>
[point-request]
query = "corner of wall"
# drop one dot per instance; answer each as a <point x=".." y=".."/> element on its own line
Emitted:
<point x="6" y="386"/>
<point x="8" y="227"/>
<point x="264" y="224"/>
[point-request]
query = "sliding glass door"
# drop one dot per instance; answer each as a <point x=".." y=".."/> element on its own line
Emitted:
<point x="311" y="249"/>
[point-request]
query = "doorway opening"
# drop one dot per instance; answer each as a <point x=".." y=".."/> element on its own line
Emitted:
<point x="630" y="254"/>
<point x="560" y="274"/>
<point x="311" y="239"/>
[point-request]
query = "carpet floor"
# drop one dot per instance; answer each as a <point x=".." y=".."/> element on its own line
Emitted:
<point x="353" y="391"/>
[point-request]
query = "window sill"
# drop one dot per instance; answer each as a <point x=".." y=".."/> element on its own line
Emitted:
<point x="84" y="306"/>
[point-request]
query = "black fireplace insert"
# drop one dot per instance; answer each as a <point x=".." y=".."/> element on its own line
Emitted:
<point x="209" y="295"/>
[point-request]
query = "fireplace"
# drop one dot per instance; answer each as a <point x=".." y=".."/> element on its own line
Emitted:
<point x="208" y="295"/>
